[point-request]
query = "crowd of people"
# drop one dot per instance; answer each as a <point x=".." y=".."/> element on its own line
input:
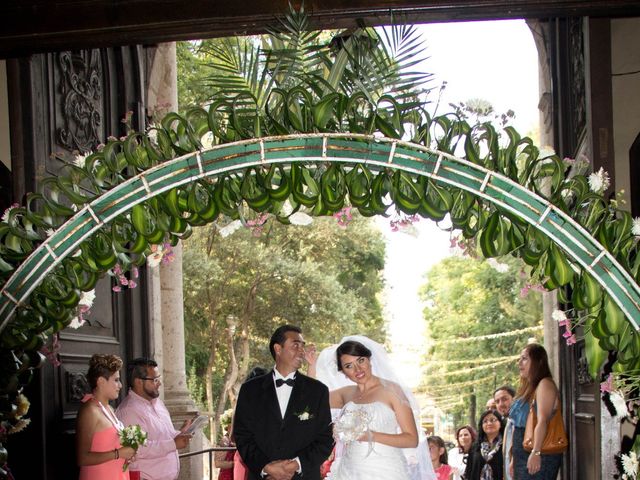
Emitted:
<point x="349" y="418"/>
<point x="496" y="451"/>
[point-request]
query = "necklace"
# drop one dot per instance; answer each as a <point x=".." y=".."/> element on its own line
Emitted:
<point x="119" y="426"/>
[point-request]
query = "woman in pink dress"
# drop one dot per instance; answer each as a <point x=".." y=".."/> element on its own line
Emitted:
<point x="100" y="455"/>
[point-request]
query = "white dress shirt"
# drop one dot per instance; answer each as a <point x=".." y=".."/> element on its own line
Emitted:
<point x="283" y="392"/>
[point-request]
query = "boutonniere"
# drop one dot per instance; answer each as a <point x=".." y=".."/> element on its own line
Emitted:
<point x="304" y="415"/>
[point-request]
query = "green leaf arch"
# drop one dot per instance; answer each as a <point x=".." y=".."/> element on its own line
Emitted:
<point x="140" y="191"/>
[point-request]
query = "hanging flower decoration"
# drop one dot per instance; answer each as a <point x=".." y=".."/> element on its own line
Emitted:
<point x="84" y="309"/>
<point x="630" y="466"/>
<point x="599" y="181"/>
<point x="256" y="225"/>
<point x="403" y="222"/>
<point x="344" y="217"/>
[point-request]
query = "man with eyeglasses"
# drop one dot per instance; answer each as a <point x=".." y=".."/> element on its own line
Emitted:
<point x="158" y="458"/>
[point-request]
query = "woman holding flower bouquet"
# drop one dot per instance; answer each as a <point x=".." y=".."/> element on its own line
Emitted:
<point x="99" y="452"/>
<point x="376" y="429"/>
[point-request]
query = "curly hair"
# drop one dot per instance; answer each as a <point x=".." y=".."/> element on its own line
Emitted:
<point x="103" y="366"/>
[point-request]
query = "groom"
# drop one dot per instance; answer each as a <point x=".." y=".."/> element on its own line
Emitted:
<point x="282" y="422"/>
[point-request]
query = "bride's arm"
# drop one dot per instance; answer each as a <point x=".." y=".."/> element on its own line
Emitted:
<point x="408" y="438"/>
<point x="336" y="397"/>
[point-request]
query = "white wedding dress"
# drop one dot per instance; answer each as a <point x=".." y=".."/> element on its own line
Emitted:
<point x="371" y="461"/>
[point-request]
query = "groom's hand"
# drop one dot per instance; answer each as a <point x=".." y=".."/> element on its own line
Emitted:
<point x="281" y="469"/>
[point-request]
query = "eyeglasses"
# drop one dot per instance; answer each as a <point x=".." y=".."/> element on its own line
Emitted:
<point x="489" y="420"/>
<point x="153" y="379"/>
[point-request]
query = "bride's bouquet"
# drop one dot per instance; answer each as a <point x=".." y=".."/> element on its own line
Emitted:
<point x="351" y="425"/>
<point x="132" y="436"/>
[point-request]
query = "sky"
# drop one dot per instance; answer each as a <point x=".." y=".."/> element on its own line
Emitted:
<point x="495" y="61"/>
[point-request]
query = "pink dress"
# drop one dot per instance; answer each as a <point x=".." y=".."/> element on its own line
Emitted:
<point x="240" y="471"/>
<point x="105" y="441"/>
<point x="444" y="472"/>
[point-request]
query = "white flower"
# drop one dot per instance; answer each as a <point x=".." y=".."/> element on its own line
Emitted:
<point x="635" y="227"/>
<point x="49" y="231"/>
<point x="304" y="416"/>
<point x="630" y="464"/>
<point x="558" y="315"/>
<point x="599" y="181"/>
<point x="497" y="266"/>
<point x="300" y="218"/>
<point x="619" y="405"/>
<point x="152" y="133"/>
<point x="5" y="215"/>
<point x="230" y="228"/>
<point x="80" y="160"/>
<point x="207" y="141"/>
<point x="87" y="298"/>
<point x="155" y="258"/>
<point x="76" y="323"/>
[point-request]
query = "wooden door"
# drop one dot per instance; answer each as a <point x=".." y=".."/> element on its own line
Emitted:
<point x="60" y="104"/>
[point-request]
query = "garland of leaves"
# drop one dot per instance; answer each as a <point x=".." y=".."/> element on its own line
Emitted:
<point x="318" y="189"/>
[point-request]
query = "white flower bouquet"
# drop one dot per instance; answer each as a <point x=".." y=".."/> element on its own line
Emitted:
<point x="351" y="425"/>
<point x="132" y="436"/>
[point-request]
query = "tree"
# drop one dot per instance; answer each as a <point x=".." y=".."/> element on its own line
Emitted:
<point x="238" y="289"/>
<point x="468" y="298"/>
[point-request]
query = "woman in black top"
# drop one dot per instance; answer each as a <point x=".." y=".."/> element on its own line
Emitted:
<point x="485" y="457"/>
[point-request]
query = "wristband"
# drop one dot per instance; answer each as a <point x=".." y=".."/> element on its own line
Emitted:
<point x="537" y="453"/>
<point x="117" y="453"/>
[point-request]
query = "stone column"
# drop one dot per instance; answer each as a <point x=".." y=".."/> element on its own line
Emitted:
<point x="162" y="96"/>
<point x="550" y="299"/>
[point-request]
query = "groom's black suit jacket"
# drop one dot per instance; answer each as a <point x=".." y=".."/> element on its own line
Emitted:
<point x="262" y="435"/>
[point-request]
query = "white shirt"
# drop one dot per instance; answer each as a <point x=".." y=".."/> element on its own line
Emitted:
<point x="283" y="392"/>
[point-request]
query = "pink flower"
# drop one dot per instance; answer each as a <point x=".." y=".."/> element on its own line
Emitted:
<point x="567" y="333"/>
<point x="571" y="340"/>
<point x="344" y="217"/>
<point x="132" y="284"/>
<point x="607" y="385"/>
<point x="116" y="288"/>
<point x="135" y="272"/>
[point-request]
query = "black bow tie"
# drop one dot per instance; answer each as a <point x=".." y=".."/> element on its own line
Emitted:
<point x="288" y="381"/>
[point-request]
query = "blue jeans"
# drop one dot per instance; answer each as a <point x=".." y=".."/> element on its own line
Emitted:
<point x="548" y="469"/>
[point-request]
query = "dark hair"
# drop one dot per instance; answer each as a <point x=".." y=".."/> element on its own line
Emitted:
<point x="507" y="388"/>
<point x="538" y="369"/>
<point x="137" y="368"/>
<point x="482" y="437"/>
<point x="440" y="444"/>
<point x="102" y="366"/>
<point x="351" y="347"/>
<point x="472" y="432"/>
<point x="280" y="336"/>
<point x="256" y="372"/>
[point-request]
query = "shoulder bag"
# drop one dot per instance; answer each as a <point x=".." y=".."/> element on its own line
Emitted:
<point x="555" y="441"/>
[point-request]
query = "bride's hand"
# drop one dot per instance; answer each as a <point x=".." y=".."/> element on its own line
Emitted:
<point x="311" y="355"/>
<point x="367" y="436"/>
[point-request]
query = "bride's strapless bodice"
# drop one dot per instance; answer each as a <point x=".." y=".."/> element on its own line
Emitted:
<point x="381" y="416"/>
<point x="364" y="460"/>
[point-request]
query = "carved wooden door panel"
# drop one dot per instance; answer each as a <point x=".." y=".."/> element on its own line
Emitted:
<point x="581" y="402"/>
<point x="62" y="104"/>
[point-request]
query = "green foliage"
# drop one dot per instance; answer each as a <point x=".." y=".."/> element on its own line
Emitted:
<point x="466" y="298"/>
<point x="321" y="277"/>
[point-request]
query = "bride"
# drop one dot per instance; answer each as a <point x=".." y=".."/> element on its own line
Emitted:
<point x="376" y="429"/>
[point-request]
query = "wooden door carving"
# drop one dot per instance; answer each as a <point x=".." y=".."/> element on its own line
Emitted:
<point x="63" y="104"/>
